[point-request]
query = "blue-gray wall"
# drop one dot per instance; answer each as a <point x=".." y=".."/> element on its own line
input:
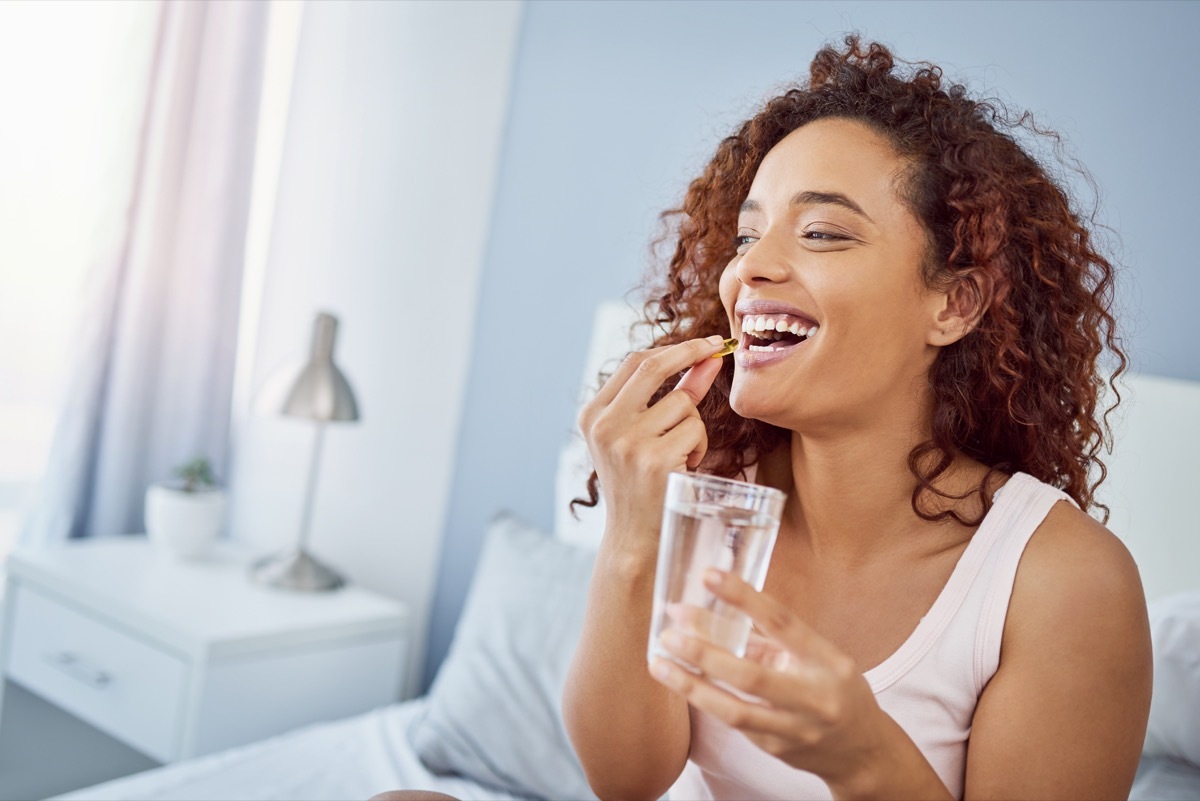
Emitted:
<point x="616" y="104"/>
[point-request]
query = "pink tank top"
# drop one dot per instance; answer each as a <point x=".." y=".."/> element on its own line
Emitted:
<point x="930" y="685"/>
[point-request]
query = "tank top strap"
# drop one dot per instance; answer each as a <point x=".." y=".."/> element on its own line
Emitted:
<point x="1026" y="502"/>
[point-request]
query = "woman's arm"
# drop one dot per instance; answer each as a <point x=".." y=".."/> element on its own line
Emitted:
<point x="1065" y="714"/>
<point x="631" y="734"/>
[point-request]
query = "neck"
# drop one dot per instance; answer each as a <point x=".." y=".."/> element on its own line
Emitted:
<point x="850" y="492"/>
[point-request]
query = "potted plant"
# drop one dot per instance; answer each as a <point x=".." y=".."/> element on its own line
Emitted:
<point x="185" y="516"/>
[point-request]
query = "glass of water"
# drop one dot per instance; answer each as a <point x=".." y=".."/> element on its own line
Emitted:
<point x="710" y="522"/>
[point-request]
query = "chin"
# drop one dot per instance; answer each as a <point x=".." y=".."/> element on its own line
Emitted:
<point x="751" y="408"/>
<point x="779" y="412"/>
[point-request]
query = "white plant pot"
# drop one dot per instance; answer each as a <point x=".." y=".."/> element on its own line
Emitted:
<point x="185" y="524"/>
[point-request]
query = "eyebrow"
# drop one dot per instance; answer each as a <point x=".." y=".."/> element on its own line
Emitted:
<point x="810" y="198"/>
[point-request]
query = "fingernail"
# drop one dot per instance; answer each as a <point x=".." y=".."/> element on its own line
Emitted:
<point x="660" y="669"/>
<point x="712" y="577"/>
<point x="672" y="639"/>
<point x="728" y="346"/>
<point x="715" y="339"/>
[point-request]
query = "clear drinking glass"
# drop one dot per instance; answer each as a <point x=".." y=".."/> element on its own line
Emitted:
<point x="710" y="522"/>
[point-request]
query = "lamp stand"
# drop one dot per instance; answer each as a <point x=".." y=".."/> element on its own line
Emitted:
<point x="296" y="569"/>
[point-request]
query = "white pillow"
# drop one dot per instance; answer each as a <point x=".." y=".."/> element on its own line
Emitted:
<point x="494" y="712"/>
<point x="1174" y="729"/>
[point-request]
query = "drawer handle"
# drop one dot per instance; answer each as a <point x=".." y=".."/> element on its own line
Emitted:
<point x="77" y="669"/>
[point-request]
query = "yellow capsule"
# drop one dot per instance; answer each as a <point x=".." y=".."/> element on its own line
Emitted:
<point x="729" y="347"/>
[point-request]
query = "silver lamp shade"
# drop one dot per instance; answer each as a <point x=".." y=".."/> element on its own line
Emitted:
<point x="322" y="394"/>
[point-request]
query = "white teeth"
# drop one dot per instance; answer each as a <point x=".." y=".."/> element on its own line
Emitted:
<point x="766" y="326"/>
<point x="772" y="328"/>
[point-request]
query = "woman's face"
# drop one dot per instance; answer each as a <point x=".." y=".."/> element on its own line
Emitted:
<point x="829" y="260"/>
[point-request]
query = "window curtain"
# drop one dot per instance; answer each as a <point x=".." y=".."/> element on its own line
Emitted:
<point x="152" y="378"/>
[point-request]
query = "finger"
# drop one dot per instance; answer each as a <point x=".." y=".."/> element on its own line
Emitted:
<point x="767" y="652"/>
<point x="773" y="619"/>
<point x="699" y="379"/>
<point x="695" y="621"/>
<point x="702" y="622"/>
<point x="670" y="410"/>
<point x="668" y="413"/>
<point x="652" y="371"/>
<point x="738" y="713"/>
<point x="718" y="664"/>
<point x="629" y="364"/>
<point x="804" y="691"/>
<point x="686" y="443"/>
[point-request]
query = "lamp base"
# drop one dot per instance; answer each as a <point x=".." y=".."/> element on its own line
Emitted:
<point x="296" y="571"/>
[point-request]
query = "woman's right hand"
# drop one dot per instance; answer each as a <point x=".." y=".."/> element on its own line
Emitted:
<point x="634" y="444"/>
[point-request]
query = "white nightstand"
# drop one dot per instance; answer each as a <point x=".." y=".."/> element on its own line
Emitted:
<point x="183" y="658"/>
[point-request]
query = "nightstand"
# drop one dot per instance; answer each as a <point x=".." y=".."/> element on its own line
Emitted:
<point x="179" y="658"/>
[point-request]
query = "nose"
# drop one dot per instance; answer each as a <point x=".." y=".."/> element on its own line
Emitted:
<point x="764" y="262"/>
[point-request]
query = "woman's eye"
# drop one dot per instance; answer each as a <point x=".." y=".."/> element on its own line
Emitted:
<point x="823" y="236"/>
<point x="743" y="242"/>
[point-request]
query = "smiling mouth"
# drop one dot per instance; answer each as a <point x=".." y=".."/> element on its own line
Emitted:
<point x="773" y="332"/>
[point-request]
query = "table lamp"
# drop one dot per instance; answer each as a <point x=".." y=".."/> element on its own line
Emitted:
<point x="319" y="393"/>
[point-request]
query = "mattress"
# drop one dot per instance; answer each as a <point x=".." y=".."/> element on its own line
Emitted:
<point x="353" y="758"/>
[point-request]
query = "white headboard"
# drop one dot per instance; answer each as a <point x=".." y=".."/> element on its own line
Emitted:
<point x="1152" y="488"/>
<point x="1154" y="481"/>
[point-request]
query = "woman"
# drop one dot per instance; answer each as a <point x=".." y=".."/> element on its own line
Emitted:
<point x="941" y="617"/>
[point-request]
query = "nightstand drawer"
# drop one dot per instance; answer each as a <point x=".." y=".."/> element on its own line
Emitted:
<point x="116" y="682"/>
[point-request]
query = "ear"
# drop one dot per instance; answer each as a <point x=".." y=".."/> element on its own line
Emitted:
<point x="961" y="306"/>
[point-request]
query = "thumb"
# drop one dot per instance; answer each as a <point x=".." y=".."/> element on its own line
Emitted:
<point x="699" y="378"/>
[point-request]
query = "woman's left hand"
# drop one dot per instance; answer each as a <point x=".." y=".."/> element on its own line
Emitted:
<point x="811" y="707"/>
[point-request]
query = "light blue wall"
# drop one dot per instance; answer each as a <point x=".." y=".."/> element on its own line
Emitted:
<point x="616" y="104"/>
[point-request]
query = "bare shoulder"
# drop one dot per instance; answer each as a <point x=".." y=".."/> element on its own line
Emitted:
<point x="1077" y="601"/>
<point x="1074" y="569"/>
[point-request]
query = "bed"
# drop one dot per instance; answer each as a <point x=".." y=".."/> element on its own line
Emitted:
<point x="490" y="727"/>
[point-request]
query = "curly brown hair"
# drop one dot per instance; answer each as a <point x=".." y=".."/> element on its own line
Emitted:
<point x="1020" y="392"/>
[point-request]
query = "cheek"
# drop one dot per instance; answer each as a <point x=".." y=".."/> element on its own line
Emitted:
<point x="728" y="290"/>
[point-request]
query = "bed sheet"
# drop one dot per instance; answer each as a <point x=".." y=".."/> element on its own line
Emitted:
<point x="353" y="758"/>
<point x="1163" y="779"/>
